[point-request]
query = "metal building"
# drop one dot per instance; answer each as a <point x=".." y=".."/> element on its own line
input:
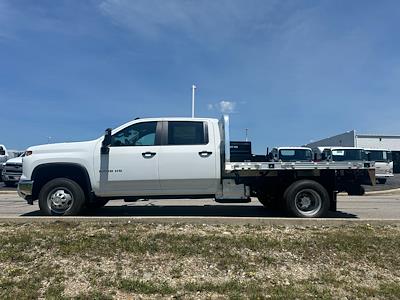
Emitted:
<point x="375" y="141"/>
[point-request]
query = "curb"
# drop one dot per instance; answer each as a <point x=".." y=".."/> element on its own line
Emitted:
<point x="383" y="192"/>
<point x="289" y="222"/>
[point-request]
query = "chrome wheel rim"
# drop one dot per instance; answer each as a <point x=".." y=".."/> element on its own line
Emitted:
<point x="308" y="202"/>
<point x="60" y="200"/>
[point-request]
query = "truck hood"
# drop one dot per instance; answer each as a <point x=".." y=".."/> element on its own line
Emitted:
<point x="15" y="160"/>
<point x="63" y="147"/>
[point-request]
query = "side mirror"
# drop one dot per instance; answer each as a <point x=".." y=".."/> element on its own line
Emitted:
<point x="106" y="142"/>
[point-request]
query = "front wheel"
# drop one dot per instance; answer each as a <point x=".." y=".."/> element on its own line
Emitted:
<point x="306" y="199"/>
<point x="61" y="197"/>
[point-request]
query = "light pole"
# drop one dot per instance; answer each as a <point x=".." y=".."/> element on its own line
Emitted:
<point x="193" y="91"/>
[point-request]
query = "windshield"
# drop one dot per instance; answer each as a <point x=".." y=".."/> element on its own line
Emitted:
<point x="378" y="155"/>
<point x="295" y="155"/>
<point x="347" y="154"/>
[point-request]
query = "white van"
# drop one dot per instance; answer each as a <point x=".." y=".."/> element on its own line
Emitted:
<point x="383" y="163"/>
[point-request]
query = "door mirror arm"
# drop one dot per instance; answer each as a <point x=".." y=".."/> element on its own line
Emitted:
<point x="106" y="142"/>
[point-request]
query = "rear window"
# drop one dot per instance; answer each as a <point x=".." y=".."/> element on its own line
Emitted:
<point x="378" y="156"/>
<point x="186" y="133"/>
<point x="347" y="155"/>
<point x="295" y="155"/>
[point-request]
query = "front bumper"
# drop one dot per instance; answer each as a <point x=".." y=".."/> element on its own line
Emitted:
<point x="11" y="177"/>
<point x="25" y="188"/>
<point x="383" y="175"/>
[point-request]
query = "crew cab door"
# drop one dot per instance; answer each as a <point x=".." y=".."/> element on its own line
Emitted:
<point x="131" y="166"/>
<point x="187" y="161"/>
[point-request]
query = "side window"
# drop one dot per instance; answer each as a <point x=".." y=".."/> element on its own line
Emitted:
<point x="140" y="134"/>
<point x="186" y="133"/>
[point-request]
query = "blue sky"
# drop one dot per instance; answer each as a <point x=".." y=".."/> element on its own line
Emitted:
<point x="289" y="71"/>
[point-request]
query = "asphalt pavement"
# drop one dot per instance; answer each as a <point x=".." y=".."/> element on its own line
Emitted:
<point x="349" y="207"/>
<point x="374" y="206"/>
<point x="391" y="183"/>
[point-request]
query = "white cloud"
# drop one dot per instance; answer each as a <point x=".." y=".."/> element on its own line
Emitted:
<point x="199" y="20"/>
<point x="227" y="107"/>
<point x="224" y="106"/>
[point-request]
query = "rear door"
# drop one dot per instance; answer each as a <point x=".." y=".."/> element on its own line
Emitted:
<point x="187" y="162"/>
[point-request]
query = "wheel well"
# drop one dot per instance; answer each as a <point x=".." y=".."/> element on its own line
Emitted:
<point x="46" y="172"/>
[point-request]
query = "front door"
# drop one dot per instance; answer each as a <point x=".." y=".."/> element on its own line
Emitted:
<point x="131" y="167"/>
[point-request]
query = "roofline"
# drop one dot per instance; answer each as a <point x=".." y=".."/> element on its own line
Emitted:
<point x="377" y="135"/>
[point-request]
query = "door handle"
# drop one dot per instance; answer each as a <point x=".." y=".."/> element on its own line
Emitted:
<point x="148" y="154"/>
<point x="205" y="153"/>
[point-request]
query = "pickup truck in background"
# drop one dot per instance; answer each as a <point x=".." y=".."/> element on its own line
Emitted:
<point x="12" y="171"/>
<point x="177" y="158"/>
<point x="383" y="163"/>
<point x="3" y="157"/>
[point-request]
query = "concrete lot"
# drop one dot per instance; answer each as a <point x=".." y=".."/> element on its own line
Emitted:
<point x="392" y="183"/>
<point x="356" y="207"/>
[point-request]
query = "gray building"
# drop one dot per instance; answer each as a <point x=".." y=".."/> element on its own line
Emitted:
<point x="354" y="139"/>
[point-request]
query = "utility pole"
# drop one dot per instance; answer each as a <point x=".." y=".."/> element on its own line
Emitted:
<point x="193" y="91"/>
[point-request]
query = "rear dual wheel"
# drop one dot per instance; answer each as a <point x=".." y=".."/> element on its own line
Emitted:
<point x="306" y="199"/>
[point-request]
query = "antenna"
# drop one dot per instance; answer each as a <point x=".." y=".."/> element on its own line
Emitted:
<point x="193" y="91"/>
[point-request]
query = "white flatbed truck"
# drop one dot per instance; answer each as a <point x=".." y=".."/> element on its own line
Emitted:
<point x="177" y="158"/>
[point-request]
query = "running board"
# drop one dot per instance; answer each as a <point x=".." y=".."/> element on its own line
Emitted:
<point x="233" y="200"/>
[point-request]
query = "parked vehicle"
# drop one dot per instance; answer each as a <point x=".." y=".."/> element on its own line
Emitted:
<point x="3" y="157"/>
<point x="179" y="158"/>
<point x="291" y="154"/>
<point x="383" y="163"/>
<point x="12" y="171"/>
<point x="339" y="154"/>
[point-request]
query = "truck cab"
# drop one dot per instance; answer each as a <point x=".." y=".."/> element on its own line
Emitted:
<point x="383" y="163"/>
<point x="339" y="154"/>
<point x="291" y="154"/>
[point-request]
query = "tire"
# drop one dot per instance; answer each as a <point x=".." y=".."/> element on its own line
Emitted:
<point x="61" y="197"/>
<point x="10" y="183"/>
<point x="357" y="190"/>
<point x="270" y="202"/>
<point x="306" y="199"/>
<point x="381" y="180"/>
<point x="96" y="204"/>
